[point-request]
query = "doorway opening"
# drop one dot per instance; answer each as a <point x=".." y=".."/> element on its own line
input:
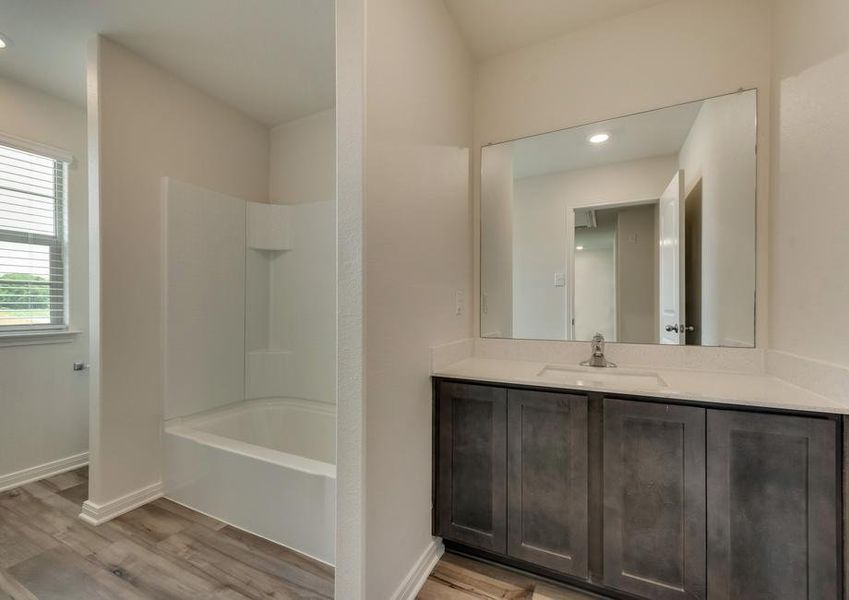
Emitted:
<point x="693" y="265"/>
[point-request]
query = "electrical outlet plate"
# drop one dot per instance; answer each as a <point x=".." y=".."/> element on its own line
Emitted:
<point x="459" y="303"/>
<point x="560" y="279"/>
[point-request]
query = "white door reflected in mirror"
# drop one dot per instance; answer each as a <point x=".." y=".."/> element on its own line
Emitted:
<point x="671" y="261"/>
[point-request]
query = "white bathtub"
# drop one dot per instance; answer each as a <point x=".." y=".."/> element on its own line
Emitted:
<point x="268" y="467"/>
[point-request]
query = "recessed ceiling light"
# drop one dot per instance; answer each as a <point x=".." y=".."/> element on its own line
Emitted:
<point x="599" y="138"/>
<point x="579" y="247"/>
<point x="3" y="41"/>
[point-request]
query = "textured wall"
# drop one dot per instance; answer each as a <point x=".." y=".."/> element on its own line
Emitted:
<point x="149" y="124"/>
<point x="809" y="274"/>
<point x="417" y="255"/>
<point x="44" y="403"/>
<point x="671" y="52"/>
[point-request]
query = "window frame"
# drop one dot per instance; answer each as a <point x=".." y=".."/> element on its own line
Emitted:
<point x="57" y="244"/>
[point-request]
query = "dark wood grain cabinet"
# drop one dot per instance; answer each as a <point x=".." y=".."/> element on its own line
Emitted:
<point x="472" y="477"/>
<point x="547" y="480"/>
<point x="654" y="499"/>
<point x="640" y="498"/>
<point x="773" y="523"/>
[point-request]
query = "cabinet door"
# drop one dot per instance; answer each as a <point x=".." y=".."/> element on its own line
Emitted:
<point x="547" y="480"/>
<point x="472" y="479"/>
<point x="772" y="507"/>
<point x="654" y="499"/>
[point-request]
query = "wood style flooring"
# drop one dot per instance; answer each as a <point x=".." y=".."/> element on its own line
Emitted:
<point x="161" y="550"/>
<point x="460" y="578"/>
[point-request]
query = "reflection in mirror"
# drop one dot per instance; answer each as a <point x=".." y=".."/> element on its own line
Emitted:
<point x="610" y="295"/>
<point x="641" y="228"/>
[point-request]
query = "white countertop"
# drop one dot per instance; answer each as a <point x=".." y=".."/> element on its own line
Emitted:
<point x="757" y="391"/>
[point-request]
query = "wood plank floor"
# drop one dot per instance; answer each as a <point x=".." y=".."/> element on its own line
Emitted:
<point x="461" y="578"/>
<point x="161" y="550"/>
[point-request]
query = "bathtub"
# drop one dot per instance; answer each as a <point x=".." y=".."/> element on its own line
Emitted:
<point x="265" y="466"/>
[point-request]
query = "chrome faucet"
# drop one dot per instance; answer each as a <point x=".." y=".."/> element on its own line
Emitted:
<point x="597" y="358"/>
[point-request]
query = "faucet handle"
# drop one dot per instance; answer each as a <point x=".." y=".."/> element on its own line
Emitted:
<point x="597" y="358"/>
<point x="598" y="344"/>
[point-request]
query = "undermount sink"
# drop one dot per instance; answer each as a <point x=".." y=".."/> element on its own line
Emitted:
<point x="601" y="377"/>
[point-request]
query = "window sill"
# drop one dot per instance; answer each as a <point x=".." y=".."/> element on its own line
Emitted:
<point x="33" y="338"/>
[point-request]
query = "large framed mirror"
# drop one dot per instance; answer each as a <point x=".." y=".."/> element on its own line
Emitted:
<point x="641" y="228"/>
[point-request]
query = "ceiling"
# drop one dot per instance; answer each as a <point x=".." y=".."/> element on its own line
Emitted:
<point x="656" y="133"/>
<point x="271" y="59"/>
<point x="493" y="27"/>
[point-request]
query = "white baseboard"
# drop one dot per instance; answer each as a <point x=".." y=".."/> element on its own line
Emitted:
<point x="415" y="579"/>
<point x="55" y="467"/>
<point x="97" y="514"/>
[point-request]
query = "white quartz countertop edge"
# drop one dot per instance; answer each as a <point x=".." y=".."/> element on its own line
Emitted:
<point x="716" y="387"/>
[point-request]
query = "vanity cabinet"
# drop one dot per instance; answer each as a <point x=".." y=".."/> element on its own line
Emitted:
<point x="547" y="480"/>
<point x="472" y="467"/>
<point x="514" y="485"/>
<point x="772" y="491"/>
<point x="637" y="498"/>
<point x="654" y="499"/>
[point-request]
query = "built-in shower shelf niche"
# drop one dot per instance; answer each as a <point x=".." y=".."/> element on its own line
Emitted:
<point x="269" y="227"/>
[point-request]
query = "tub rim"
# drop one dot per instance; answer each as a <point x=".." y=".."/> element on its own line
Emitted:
<point x="188" y="427"/>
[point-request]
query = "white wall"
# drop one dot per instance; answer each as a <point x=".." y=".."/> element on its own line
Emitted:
<point x="720" y="151"/>
<point x="809" y="244"/>
<point x="540" y="205"/>
<point x="44" y="403"/>
<point x="257" y="300"/>
<point x="303" y="160"/>
<point x="148" y="124"/>
<point x="291" y="336"/>
<point x="636" y="274"/>
<point x="350" y="300"/>
<point x="417" y="253"/>
<point x="595" y="293"/>
<point x="203" y="354"/>
<point x="497" y="245"/>
<point x="669" y="53"/>
<point x="302" y="305"/>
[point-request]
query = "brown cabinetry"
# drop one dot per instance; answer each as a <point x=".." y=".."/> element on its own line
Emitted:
<point x="641" y="498"/>
<point x="772" y="498"/>
<point x="654" y="499"/>
<point x="547" y="480"/>
<point x="472" y="469"/>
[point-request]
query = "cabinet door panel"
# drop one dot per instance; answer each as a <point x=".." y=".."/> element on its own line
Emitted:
<point x="654" y="499"/>
<point x="473" y="465"/>
<point x="772" y="507"/>
<point x="547" y="480"/>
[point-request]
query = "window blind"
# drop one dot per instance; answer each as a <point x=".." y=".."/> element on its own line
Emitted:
<point x="33" y="257"/>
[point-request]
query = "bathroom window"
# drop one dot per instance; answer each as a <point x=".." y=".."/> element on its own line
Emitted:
<point x="33" y="242"/>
